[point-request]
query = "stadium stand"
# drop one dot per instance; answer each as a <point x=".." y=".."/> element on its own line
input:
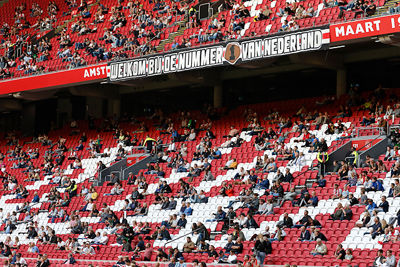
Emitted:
<point x="240" y="188"/>
<point x="86" y="32"/>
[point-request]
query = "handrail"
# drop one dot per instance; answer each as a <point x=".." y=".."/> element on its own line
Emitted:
<point x="358" y="129"/>
<point x="179" y="237"/>
<point x="303" y="172"/>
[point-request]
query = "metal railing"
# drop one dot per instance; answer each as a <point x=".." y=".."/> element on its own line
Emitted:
<point x="182" y="236"/>
<point x="365" y="131"/>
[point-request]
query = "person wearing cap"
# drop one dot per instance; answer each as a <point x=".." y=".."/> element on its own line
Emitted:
<point x="181" y="262"/>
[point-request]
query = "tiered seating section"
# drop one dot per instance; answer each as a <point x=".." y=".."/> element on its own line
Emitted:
<point x="92" y="31"/>
<point x="289" y="250"/>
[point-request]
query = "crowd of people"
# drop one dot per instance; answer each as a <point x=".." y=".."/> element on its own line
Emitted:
<point x="132" y="237"/>
<point x="144" y="24"/>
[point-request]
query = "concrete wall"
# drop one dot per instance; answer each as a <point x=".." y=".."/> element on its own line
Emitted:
<point x="135" y="168"/>
<point x="339" y="154"/>
<point x="376" y="150"/>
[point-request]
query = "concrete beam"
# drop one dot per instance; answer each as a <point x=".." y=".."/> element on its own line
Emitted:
<point x="125" y="89"/>
<point x="372" y="54"/>
<point x="243" y="73"/>
<point x="325" y="59"/>
<point x="96" y="90"/>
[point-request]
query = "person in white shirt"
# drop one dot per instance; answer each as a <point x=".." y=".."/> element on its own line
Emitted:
<point x="20" y="260"/>
<point x="232" y="258"/>
<point x="87" y="249"/>
<point x="266" y="207"/>
<point x="320" y="248"/>
<point x="104" y="238"/>
<point x="390" y="259"/>
<point x="242" y="219"/>
<point x="116" y="190"/>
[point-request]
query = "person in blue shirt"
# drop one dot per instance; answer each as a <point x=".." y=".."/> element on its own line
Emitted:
<point x="321" y="181"/>
<point x="181" y="262"/>
<point x="216" y="154"/>
<point x="182" y="221"/>
<point x="33" y="248"/>
<point x="36" y="198"/>
<point x="375" y="186"/>
<point x="219" y="216"/>
<point x="188" y="210"/>
<point x="264" y="183"/>
<point x="371" y="206"/>
<point x="313" y="199"/>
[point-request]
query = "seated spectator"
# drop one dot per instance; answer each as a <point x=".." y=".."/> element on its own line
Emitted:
<point x="339" y="212"/>
<point x="340" y="252"/>
<point x="371" y="206"/>
<point x="375" y="228"/>
<point x="380" y="259"/>
<point x="320" y="248"/>
<point x="287" y="222"/>
<point x="384" y="205"/>
<point x="219" y="216"/>
<point x="321" y="182"/>
<point x="337" y="192"/>
<point x="375" y="186"/>
<point x="353" y="200"/>
<point x="265" y="208"/>
<point x="304" y="234"/>
<point x="189" y="246"/>
<point x="289" y="196"/>
<point x="303" y="221"/>
<point x="116" y="190"/>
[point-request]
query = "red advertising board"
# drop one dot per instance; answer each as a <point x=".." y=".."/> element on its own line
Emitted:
<point x="364" y="144"/>
<point x="54" y="79"/>
<point x="365" y="28"/>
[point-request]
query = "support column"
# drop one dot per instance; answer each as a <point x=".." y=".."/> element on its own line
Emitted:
<point x="218" y="95"/>
<point x="116" y="107"/>
<point x="341" y="82"/>
<point x="28" y="119"/>
<point x="94" y="106"/>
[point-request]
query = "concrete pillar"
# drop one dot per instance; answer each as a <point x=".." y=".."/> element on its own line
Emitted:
<point x="94" y="106"/>
<point x="28" y="119"/>
<point x="114" y="107"/>
<point x="218" y="95"/>
<point x="341" y="82"/>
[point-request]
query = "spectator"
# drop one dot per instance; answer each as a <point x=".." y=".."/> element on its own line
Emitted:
<point x="384" y="205"/>
<point x="375" y="228"/>
<point x="390" y="258"/>
<point x="262" y="248"/>
<point x="340" y="252"/>
<point x="287" y="221"/>
<point x="380" y="259"/>
<point x="349" y="255"/>
<point x="189" y="246"/>
<point x="304" y="234"/>
<point x="320" y="248"/>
